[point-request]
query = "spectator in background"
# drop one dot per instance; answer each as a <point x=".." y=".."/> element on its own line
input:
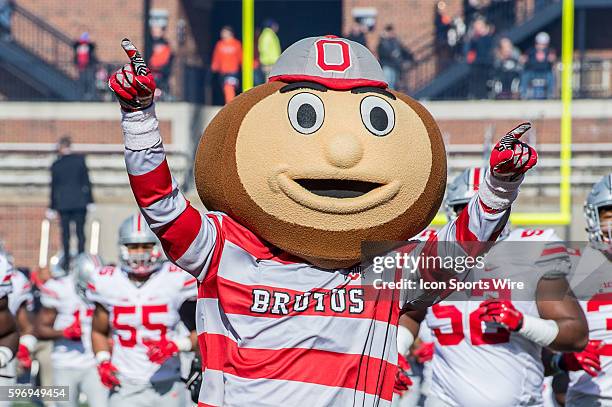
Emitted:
<point x="473" y="9"/>
<point x="479" y="49"/>
<point x="6" y="14"/>
<point x="71" y="194"/>
<point x="258" y="76"/>
<point x="268" y="46"/>
<point x="357" y="34"/>
<point x="160" y="61"/>
<point x="226" y="61"/>
<point x="507" y="67"/>
<point x="392" y="55"/>
<point x="443" y="24"/>
<point x="538" y="79"/>
<point x="85" y="62"/>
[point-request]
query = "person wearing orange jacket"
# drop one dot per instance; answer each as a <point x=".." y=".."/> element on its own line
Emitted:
<point x="226" y="61"/>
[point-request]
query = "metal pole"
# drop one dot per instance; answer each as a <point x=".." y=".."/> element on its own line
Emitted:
<point x="567" y="54"/>
<point x="248" y="43"/>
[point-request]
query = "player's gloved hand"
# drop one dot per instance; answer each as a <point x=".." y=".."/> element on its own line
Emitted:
<point x="73" y="332"/>
<point x="587" y="360"/>
<point x="6" y="355"/>
<point x="501" y="312"/>
<point x="194" y="380"/>
<point x="160" y="351"/>
<point x="402" y="380"/>
<point x="510" y="156"/>
<point x="423" y="352"/>
<point x="107" y="372"/>
<point x="133" y="83"/>
<point x="24" y="357"/>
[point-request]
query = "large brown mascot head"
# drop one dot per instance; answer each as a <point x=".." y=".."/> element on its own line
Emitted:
<point x="324" y="156"/>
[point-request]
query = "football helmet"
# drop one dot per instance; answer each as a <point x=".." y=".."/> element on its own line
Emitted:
<point x="462" y="189"/>
<point x="135" y="231"/>
<point x="599" y="197"/>
<point x="84" y="266"/>
<point x="57" y="265"/>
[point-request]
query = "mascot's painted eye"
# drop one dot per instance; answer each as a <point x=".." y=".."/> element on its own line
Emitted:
<point x="377" y="115"/>
<point x="306" y="112"/>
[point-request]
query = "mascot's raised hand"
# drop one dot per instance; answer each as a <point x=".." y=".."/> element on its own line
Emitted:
<point x="511" y="157"/>
<point x="133" y="83"/>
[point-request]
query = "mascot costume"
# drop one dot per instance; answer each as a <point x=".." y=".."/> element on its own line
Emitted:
<point x="297" y="173"/>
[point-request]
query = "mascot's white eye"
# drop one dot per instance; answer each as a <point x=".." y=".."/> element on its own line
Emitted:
<point x="306" y="112"/>
<point x="377" y="115"/>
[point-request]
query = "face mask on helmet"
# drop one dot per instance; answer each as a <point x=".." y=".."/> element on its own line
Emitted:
<point x="139" y="250"/>
<point x="598" y="214"/>
<point x="139" y="258"/>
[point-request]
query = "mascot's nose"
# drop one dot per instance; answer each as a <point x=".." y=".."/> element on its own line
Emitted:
<point x="343" y="151"/>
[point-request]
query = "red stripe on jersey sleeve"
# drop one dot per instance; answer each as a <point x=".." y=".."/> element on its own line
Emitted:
<point x="462" y="227"/>
<point x="360" y="372"/>
<point x="151" y="187"/>
<point x="178" y="235"/>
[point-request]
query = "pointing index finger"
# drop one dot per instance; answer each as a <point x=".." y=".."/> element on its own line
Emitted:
<point x="138" y="63"/>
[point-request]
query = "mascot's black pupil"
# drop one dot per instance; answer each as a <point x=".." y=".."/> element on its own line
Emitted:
<point x="378" y="118"/>
<point x="306" y="116"/>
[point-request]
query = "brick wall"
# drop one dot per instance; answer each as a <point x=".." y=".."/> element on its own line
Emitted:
<point x="20" y="232"/>
<point x="412" y="19"/>
<point x="109" y="21"/>
<point x="81" y="131"/>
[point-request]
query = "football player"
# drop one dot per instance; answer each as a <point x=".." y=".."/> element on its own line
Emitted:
<point x="488" y="342"/>
<point x="137" y="307"/>
<point x="590" y="387"/>
<point x="66" y="320"/>
<point x="20" y="302"/>
<point x="9" y="338"/>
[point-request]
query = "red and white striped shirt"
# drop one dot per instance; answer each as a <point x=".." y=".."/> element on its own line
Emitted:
<point x="272" y="329"/>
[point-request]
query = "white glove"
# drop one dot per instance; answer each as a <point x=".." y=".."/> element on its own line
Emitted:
<point x="5" y="356"/>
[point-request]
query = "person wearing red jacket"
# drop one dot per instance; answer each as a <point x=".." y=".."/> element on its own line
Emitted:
<point x="226" y="61"/>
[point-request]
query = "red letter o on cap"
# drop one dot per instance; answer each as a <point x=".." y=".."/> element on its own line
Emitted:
<point x="333" y="55"/>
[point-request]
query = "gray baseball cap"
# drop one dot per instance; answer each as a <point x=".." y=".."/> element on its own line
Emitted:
<point x="334" y="62"/>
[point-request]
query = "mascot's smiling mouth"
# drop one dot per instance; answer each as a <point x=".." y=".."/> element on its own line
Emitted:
<point x="337" y="188"/>
<point x="332" y="195"/>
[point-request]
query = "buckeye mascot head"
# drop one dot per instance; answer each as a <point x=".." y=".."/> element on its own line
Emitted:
<point x="324" y="156"/>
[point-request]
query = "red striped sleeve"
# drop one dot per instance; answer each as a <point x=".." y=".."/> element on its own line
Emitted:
<point x="178" y="235"/>
<point x="360" y="372"/>
<point x="151" y="187"/>
<point x="462" y="227"/>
